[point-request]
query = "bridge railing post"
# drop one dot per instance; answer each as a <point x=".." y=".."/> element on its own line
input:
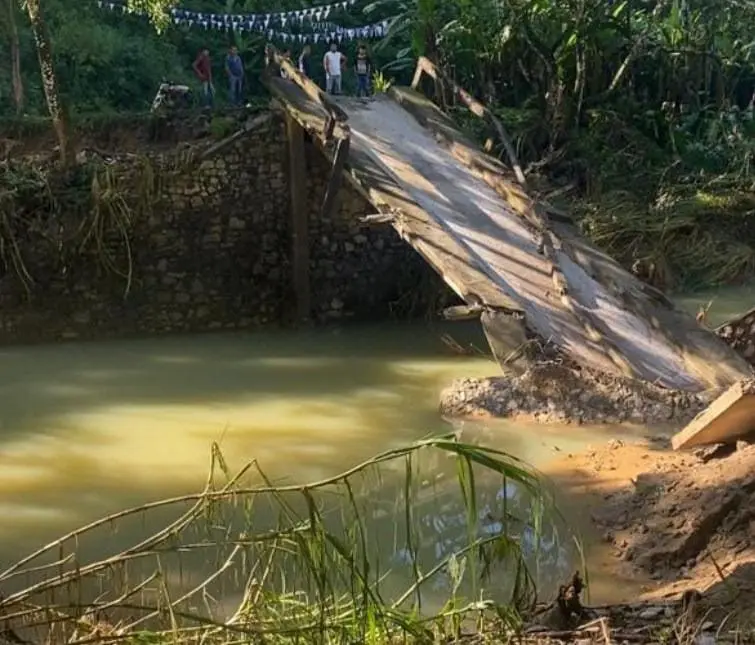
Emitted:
<point x="425" y="66"/>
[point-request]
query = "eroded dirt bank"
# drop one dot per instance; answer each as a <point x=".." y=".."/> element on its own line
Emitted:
<point x="675" y="522"/>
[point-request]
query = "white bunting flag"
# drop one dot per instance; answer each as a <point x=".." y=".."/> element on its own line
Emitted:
<point x="313" y="20"/>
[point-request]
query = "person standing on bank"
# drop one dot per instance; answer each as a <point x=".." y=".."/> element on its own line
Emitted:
<point x="333" y="63"/>
<point x="234" y="68"/>
<point x="363" y="70"/>
<point x="304" y="66"/>
<point x="203" y="69"/>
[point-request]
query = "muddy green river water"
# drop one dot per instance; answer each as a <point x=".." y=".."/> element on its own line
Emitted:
<point x="87" y="429"/>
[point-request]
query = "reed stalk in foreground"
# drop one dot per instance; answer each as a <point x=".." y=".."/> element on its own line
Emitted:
<point x="296" y="563"/>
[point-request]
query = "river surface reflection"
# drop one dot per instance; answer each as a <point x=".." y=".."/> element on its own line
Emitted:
<point x="87" y="429"/>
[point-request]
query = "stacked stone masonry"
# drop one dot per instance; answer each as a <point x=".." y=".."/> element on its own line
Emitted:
<point x="740" y="334"/>
<point x="215" y="253"/>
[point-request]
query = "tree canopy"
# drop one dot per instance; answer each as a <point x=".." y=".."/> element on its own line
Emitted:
<point x="108" y="61"/>
<point x="642" y="107"/>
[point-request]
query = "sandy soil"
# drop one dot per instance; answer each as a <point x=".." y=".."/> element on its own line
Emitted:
<point x="668" y="522"/>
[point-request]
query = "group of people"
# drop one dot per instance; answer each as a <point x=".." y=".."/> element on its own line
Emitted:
<point x="334" y="63"/>
<point x="234" y="69"/>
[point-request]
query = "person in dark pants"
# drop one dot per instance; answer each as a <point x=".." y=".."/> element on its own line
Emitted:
<point x="234" y="68"/>
<point x="203" y="69"/>
<point x="304" y="65"/>
<point x="287" y="57"/>
<point x="363" y="70"/>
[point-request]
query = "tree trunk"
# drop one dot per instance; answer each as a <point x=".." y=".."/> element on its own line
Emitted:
<point x="49" y="82"/>
<point x="555" y="109"/>
<point x="431" y="52"/>
<point x="15" y="56"/>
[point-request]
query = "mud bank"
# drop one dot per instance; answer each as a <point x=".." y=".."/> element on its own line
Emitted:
<point x="550" y="392"/>
<point x="678" y="522"/>
<point x="688" y="517"/>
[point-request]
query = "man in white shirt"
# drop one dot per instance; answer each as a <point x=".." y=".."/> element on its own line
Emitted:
<point x="333" y="62"/>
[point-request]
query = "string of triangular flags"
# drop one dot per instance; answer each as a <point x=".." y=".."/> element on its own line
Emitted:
<point x="282" y="18"/>
<point x="341" y="35"/>
<point x="310" y="15"/>
<point x="318" y="30"/>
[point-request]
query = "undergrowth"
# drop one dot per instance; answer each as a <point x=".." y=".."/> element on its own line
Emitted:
<point x="245" y="562"/>
<point x="688" y="213"/>
<point x="97" y="124"/>
<point x="669" y="191"/>
<point x="48" y="215"/>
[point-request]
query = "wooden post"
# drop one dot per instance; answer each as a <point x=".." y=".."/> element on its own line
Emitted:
<point x="297" y="180"/>
<point x="424" y="65"/>
<point x="336" y="177"/>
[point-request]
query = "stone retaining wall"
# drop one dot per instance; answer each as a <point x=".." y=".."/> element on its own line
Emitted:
<point x="740" y="335"/>
<point x="214" y="253"/>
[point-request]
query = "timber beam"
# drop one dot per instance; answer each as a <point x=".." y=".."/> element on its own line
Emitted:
<point x="336" y="176"/>
<point x="251" y="125"/>
<point x="297" y="180"/>
<point x="425" y="66"/>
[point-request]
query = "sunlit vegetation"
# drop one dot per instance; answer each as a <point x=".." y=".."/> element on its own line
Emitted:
<point x="637" y="114"/>
<point x="334" y="561"/>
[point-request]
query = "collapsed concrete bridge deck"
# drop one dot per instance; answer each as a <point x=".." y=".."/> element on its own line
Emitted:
<point x="526" y="271"/>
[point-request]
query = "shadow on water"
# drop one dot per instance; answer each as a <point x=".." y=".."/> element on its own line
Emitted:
<point x="206" y="370"/>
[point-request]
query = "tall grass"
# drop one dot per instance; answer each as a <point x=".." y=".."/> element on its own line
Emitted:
<point x="314" y="574"/>
<point x="48" y="217"/>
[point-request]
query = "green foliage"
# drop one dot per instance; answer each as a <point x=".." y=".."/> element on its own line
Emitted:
<point x="221" y="127"/>
<point x="347" y="559"/>
<point x="111" y="62"/>
<point x="380" y="83"/>
<point x="599" y="94"/>
<point x="156" y="10"/>
<point x="639" y="107"/>
<point x="104" y="63"/>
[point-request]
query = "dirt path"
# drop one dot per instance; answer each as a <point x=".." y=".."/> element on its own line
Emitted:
<point x="669" y="522"/>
